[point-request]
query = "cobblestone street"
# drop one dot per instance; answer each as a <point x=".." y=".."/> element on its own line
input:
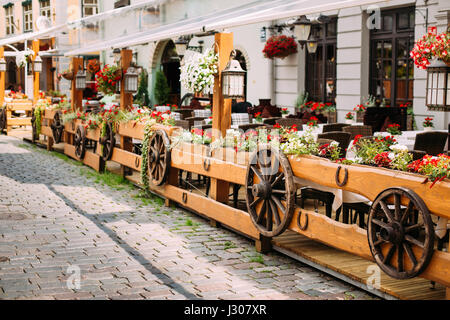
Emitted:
<point x="58" y="217"/>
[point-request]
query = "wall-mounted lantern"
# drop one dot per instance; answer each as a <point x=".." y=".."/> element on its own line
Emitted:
<point x="130" y="79"/>
<point x="181" y="45"/>
<point x="302" y="30"/>
<point x="233" y="77"/>
<point x="37" y="64"/>
<point x="438" y="86"/>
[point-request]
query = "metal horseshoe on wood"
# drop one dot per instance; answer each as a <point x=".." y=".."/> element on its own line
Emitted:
<point x="207" y="161"/>
<point x="184" y="197"/>
<point x="303" y="228"/>
<point x="344" y="182"/>
<point x="137" y="162"/>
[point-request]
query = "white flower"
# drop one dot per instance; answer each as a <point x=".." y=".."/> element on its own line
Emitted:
<point x="399" y="148"/>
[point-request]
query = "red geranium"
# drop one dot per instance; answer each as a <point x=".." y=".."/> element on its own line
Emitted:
<point x="279" y="47"/>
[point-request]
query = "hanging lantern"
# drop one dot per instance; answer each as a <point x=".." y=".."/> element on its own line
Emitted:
<point x="37" y="64"/>
<point x="80" y="80"/>
<point x="438" y="86"/>
<point x="302" y="29"/>
<point x="130" y="79"/>
<point x="311" y="45"/>
<point x="181" y="45"/>
<point x="233" y="77"/>
<point x="2" y="65"/>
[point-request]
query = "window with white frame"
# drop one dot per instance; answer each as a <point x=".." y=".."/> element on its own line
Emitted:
<point x="90" y="7"/>
<point x="27" y="17"/>
<point x="9" y="15"/>
<point x="44" y="8"/>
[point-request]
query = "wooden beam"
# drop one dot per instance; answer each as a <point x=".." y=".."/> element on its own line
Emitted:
<point x="76" y="95"/>
<point x="36" y="75"/>
<point x="126" y="99"/>
<point x="2" y="79"/>
<point x="221" y="109"/>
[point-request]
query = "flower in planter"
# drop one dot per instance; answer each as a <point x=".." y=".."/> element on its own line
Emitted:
<point x="394" y="129"/>
<point x="431" y="46"/>
<point x="279" y="47"/>
<point x="258" y="116"/>
<point x="317" y="106"/>
<point x="436" y="168"/>
<point x="349" y="116"/>
<point x="284" y="111"/>
<point x="405" y="105"/>
<point x="382" y="159"/>
<point x="359" y="108"/>
<point x="312" y="122"/>
<point x="428" y="122"/>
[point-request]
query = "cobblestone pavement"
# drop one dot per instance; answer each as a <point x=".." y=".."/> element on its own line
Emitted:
<point x="57" y="216"/>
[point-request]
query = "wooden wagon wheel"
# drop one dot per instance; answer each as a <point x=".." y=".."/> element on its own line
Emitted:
<point x="399" y="219"/>
<point x="80" y="142"/>
<point x="108" y="142"/>
<point x="269" y="191"/>
<point x="57" y="127"/>
<point x="2" y="119"/>
<point x="158" y="158"/>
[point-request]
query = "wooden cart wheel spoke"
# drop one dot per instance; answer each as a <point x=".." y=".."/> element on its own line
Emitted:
<point x="108" y="142"/>
<point x="401" y="229"/>
<point x="410" y="253"/>
<point x="80" y="142"/>
<point x="158" y="158"/>
<point x="269" y="177"/>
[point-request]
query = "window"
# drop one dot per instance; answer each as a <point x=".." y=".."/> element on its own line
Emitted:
<point x="27" y="17"/>
<point x="90" y="7"/>
<point x="391" y="69"/>
<point x="121" y="3"/>
<point x="321" y="65"/>
<point x="9" y="15"/>
<point x="45" y="9"/>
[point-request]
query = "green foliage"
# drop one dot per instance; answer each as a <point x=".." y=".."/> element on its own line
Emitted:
<point x="38" y="121"/>
<point x="142" y="96"/>
<point x="162" y="88"/>
<point x="301" y="99"/>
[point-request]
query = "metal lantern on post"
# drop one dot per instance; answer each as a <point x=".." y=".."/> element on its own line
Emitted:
<point x="233" y="77"/>
<point x="80" y="80"/>
<point x="37" y="64"/>
<point x="130" y="79"/>
<point x="302" y="29"/>
<point x="181" y="45"/>
<point x="438" y="86"/>
<point x="2" y="65"/>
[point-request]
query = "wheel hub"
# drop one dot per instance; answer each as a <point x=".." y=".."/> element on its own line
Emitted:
<point x="262" y="190"/>
<point x="393" y="233"/>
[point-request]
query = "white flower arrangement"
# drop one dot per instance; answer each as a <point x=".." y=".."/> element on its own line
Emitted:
<point x="197" y="74"/>
<point x="23" y="57"/>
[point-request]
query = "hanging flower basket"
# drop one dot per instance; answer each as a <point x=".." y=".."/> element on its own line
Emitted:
<point x="197" y="74"/>
<point x="68" y="75"/>
<point x="93" y="66"/>
<point x="431" y="46"/>
<point x="107" y="78"/>
<point x="279" y="47"/>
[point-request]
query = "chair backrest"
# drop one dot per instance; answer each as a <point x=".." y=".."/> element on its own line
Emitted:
<point x="271" y="121"/>
<point x="195" y="121"/>
<point x="342" y="137"/>
<point x="205" y="113"/>
<point x="175" y="115"/>
<point x="245" y="127"/>
<point x="183" y="124"/>
<point x="240" y="118"/>
<point x="288" y="122"/>
<point x="321" y="141"/>
<point x="432" y="143"/>
<point x="356" y="130"/>
<point x="333" y="127"/>
<point x="162" y="108"/>
<point x="185" y="113"/>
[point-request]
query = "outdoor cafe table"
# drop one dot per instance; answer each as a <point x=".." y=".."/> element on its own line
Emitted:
<point x="408" y="138"/>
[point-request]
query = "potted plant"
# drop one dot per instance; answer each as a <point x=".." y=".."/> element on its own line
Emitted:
<point x="431" y="46"/>
<point x="370" y="102"/>
<point x="394" y="129"/>
<point x="301" y="100"/>
<point x="284" y="112"/>
<point x="428" y="124"/>
<point x="312" y="122"/>
<point x="279" y="47"/>
<point x="359" y="109"/>
<point x="349" y="118"/>
<point x="258" y="118"/>
<point x="107" y="79"/>
<point x="67" y="74"/>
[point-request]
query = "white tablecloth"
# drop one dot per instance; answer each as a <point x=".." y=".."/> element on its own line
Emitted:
<point x="408" y="138"/>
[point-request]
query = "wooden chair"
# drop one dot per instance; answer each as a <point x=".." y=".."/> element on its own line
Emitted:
<point x="317" y="195"/>
<point x="289" y="122"/>
<point x="194" y="121"/>
<point x="334" y="127"/>
<point x="185" y="113"/>
<point x="358" y="130"/>
<point x="432" y="143"/>
<point x="271" y="121"/>
<point x="183" y="124"/>
<point x="342" y="137"/>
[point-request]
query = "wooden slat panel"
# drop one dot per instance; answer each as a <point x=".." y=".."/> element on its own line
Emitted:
<point x="46" y="131"/>
<point x="90" y="159"/>
<point x="19" y="121"/>
<point x="127" y="159"/>
<point x="20" y="106"/>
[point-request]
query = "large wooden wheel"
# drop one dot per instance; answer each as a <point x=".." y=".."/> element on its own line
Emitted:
<point x="158" y="158"/>
<point x="57" y="127"/>
<point x="2" y="119"/>
<point x="80" y="142"/>
<point x="269" y="191"/>
<point x="108" y="142"/>
<point x="398" y="221"/>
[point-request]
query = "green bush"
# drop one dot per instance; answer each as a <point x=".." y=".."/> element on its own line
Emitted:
<point x="162" y="88"/>
<point x="142" y="96"/>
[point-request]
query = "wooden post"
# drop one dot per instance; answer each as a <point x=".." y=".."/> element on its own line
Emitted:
<point x="2" y="79"/>
<point x="126" y="99"/>
<point x="221" y="109"/>
<point x="447" y="290"/>
<point x="36" y="75"/>
<point x="76" y="95"/>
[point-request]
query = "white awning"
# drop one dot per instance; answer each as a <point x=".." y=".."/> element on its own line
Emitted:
<point x="33" y="35"/>
<point x="255" y="12"/>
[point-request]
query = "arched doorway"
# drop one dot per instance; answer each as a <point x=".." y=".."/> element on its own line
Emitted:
<point x="242" y="60"/>
<point x="170" y="65"/>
